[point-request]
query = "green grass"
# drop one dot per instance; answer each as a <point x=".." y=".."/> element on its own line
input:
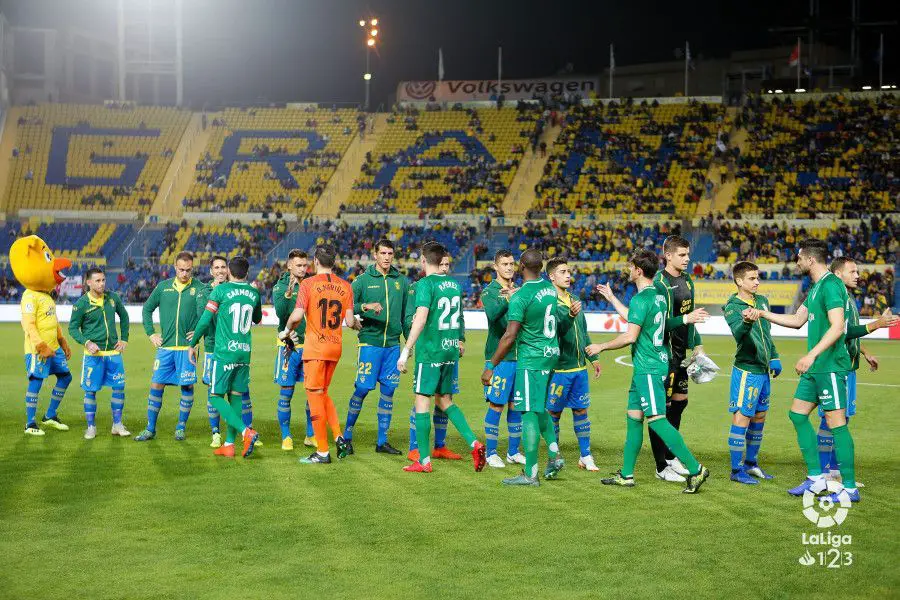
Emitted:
<point x="111" y="518"/>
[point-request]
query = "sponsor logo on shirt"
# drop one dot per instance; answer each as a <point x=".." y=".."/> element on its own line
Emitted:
<point x="550" y="351"/>
<point x="235" y="345"/>
<point x="447" y="344"/>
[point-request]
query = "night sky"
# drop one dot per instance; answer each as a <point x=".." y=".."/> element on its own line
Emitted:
<point x="313" y="50"/>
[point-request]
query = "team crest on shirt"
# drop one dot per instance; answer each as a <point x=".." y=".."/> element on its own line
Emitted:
<point x="396" y="285"/>
<point x="193" y="291"/>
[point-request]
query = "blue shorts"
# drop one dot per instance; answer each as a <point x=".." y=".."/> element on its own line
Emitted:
<point x="41" y="368"/>
<point x="851" y="395"/>
<point x="102" y="371"/>
<point x="569" y="390"/>
<point x="749" y="392"/>
<point x="288" y="367"/>
<point x="503" y="384"/>
<point x="173" y="367"/>
<point x="377" y="365"/>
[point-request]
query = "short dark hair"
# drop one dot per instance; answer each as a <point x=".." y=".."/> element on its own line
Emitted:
<point x="91" y="272"/>
<point x="297" y="253"/>
<point x="503" y="253"/>
<point x="742" y="268"/>
<point x="384" y="242"/>
<point x="815" y="249"/>
<point x="646" y="261"/>
<point x="184" y="255"/>
<point x="213" y="260"/>
<point x="239" y="267"/>
<point x="555" y="262"/>
<point x="326" y="255"/>
<point x="839" y="263"/>
<point x="674" y="242"/>
<point x="434" y="253"/>
<point x="533" y="260"/>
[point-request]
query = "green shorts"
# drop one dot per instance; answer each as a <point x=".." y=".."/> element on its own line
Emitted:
<point x="435" y="378"/>
<point x="828" y="390"/>
<point x="229" y="377"/>
<point x="532" y="387"/>
<point x="648" y="394"/>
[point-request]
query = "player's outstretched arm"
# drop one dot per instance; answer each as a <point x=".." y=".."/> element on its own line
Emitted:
<point x="625" y="338"/>
<point x="293" y="321"/>
<point x="836" y="322"/>
<point x="887" y="319"/>
<point x="794" y="321"/>
<point x="607" y="293"/>
<point x="124" y="322"/>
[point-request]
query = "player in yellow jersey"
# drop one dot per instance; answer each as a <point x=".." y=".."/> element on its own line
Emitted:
<point x="46" y="349"/>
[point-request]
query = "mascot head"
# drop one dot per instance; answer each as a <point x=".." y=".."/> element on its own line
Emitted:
<point x="34" y="266"/>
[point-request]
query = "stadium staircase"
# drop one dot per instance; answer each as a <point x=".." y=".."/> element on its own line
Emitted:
<point x="340" y="185"/>
<point x="725" y="191"/>
<point x="10" y="128"/>
<point x="521" y="197"/>
<point x="181" y="173"/>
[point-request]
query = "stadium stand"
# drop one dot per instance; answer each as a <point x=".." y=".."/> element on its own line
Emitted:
<point x="836" y="154"/>
<point x="270" y="159"/>
<point x="83" y="157"/>
<point x="89" y="241"/>
<point x="630" y="158"/>
<point x="444" y="161"/>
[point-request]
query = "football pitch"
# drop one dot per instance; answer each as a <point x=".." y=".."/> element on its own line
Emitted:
<point x="112" y="518"/>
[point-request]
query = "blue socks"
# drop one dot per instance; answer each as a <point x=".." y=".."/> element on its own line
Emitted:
<point x="440" y="427"/>
<point x="284" y="411"/>
<point x="491" y="430"/>
<point x="117" y="404"/>
<point x="212" y="413"/>
<point x="56" y="396"/>
<point x="737" y="440"/>
<point x="754" y="441"/>
<point x="31" y="399"/>
<point x="826" y="446"/>
<point x="90" y="407"/>
<point x="309" y="428"/>
<point x="582" y="426"/>
<point x="514" y="425"/>
<point x="356" y="402"/>
<point x="413" y="444"/>
<point x="246" y="409"/>
<point x="556" y="419"/>
<point x="184" y="409"/>
<point x="385" y="410"/>
<point x="154" y="403"/>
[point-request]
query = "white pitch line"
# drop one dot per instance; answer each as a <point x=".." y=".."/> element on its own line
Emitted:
<point x="620" y="360"/>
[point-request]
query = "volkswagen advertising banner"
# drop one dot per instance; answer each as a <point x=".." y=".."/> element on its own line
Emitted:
<point x="482" y="90"/>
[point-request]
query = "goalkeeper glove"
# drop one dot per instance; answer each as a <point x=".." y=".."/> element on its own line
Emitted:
<point x="775" y="367"/>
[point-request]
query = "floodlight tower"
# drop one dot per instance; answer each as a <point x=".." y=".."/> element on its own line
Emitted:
<point x="150" y="51"/>
<point x="371" y="28"/>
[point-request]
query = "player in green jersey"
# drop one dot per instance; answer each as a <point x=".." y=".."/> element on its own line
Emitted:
<point x="823" y="369"/>
<point x="751" y="387"/>
<point x="646" y="316"/>
<point x="531" y="328"/>
<point x="218" y="270"/>
<point x="495" y="299"/>
<point x="570" y="385"/>
<point x="848" y="272"/>
<point x="435" y="335"/>
<point x="236" y="306"/>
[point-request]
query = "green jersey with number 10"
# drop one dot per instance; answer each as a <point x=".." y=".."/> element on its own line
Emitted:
<point x="237" y="307"/>
<point x="439" y="341"/>
<point x="649" y="355"/>
<point x="534" y="306"/>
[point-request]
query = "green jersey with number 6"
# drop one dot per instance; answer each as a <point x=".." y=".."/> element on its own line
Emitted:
<point x="649" y="355"/>
<point x="828" y="293"/>
<point x="534" y="306"/>
<point x="439" y="340"/>
<point x="237" y="307"/>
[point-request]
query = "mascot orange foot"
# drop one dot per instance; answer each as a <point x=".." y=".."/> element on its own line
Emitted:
<point x="46" y="349"/>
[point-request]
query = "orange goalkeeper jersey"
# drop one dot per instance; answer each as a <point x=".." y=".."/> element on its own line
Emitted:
<point x="325" y="299"/>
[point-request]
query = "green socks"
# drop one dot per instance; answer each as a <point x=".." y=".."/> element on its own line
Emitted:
<point x="634" y="438"/>
<point x="806" y="439"/>
<point x="671" y="437"/>
<point x="230" y="412"/>
<point x="423" y="436"/>
<point x="530" y="436"/>
<point x="843" y="447"/>
<point x="459" y="421"/>
<point x="548" y="432"/>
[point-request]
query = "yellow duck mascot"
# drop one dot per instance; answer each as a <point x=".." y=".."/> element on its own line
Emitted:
<point x="46" y="349"/>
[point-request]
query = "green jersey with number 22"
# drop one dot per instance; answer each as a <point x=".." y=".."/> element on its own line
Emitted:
<point x="439" y="341"/>
<point x="649" y="354"/>
<point x="534" y="306"/>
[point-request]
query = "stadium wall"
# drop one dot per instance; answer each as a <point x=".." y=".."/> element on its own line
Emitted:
<point x="476" y="320"/>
